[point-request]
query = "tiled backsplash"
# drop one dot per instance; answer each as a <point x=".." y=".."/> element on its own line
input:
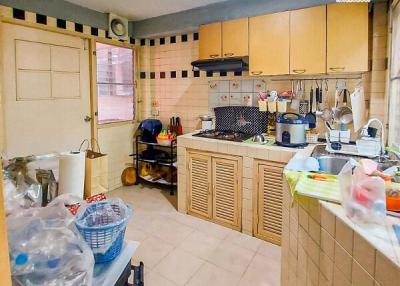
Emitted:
<point x="237" y="92"/>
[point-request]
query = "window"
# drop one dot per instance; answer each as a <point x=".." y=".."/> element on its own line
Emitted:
<point x="115" y="89"/>
<point x="394" y="112"/>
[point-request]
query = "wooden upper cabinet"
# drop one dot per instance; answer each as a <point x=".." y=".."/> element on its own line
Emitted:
<point x="235" y="38"/>
<point x="347" y="37"/>
<point x="227" y="191"/>
<point x="269" y="44"/>
<point x="308" y="40"/>
<point x="199" y="185"/>
<point x="210" y="43"/>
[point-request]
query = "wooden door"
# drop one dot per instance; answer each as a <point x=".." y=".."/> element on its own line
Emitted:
<point x="269" y="44"/>
<point x="199" y="185"/>
<point x="308" y="40"/>
<point x="210" y="41"/>
<point x="46" y="91"/>
<point x="226" y="183"/>
<point x="235" y="38"/>
<point x="4" y="256"/>
<point x="347" y="37"/>
<point x="270" y="196"/>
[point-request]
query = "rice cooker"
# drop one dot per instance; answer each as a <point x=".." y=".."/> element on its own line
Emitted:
<point x="291" y="130"/>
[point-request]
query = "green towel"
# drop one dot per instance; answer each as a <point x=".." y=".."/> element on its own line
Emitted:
<point x="292" y="177"/>
<point x="301" y="183"/>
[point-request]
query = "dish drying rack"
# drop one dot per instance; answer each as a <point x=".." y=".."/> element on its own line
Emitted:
<point x="348" y="149"/>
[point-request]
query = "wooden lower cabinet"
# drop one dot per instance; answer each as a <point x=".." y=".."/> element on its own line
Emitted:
<point x="269" y="196"/>
<point x="199" y="185"/>
<point x="214" y="187"/>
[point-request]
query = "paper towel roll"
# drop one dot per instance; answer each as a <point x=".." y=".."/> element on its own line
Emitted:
<point x="72" y="173"/>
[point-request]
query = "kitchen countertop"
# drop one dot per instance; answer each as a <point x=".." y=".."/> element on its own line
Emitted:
<point x="258" y="151"/>
<point x="382" y="237"/>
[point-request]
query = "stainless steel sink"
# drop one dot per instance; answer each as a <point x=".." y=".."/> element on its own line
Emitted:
<point x="331" y="165"/>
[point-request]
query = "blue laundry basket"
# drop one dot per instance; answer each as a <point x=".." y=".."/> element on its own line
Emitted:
<point x="102" y="232"/>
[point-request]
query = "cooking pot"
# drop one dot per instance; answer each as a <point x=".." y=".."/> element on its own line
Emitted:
<point x="206" y="122"/>
<point x="291" y="130"/>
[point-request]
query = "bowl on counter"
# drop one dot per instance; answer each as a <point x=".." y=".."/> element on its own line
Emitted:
<point x="164" y="141"/>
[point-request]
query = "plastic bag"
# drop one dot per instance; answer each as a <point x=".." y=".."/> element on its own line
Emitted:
<point x="363" y="196"/>
<point x="301" y="162"/>
<point x="23" y="196"/>
<point x="101" y="223"/>
<point x="46" y="248"/>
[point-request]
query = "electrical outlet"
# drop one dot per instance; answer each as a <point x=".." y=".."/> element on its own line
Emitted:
<point x="155" y="112"/>
<point x="155" y="103"/>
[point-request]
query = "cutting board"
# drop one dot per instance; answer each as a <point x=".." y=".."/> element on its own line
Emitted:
<point x="324" y="190"/>
<point x="358" y="107"/>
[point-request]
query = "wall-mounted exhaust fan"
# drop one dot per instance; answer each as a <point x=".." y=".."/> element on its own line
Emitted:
<point x="117" y="27"/>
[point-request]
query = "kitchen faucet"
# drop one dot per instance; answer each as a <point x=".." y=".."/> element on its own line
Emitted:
<point x="364" y="133"/>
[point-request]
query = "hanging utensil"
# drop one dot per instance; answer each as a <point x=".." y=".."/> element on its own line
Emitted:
<point x="335" y="109"/>
<point x="295" y="104"/>
<point x="303" y="108"/>
<point x="310" y="116"/>
<point x="345" y="113"/>
<point x="326" y="113"/>
<point x="316" y="98"/>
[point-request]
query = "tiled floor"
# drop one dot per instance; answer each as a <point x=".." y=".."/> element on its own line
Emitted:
<point x="179" y="249"/>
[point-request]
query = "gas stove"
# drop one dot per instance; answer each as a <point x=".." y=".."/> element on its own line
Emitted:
<point x="224" y="135"/>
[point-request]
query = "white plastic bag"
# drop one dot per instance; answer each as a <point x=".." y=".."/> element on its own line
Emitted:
<point x="46" y="248"/>
<point x="363" y="196"/>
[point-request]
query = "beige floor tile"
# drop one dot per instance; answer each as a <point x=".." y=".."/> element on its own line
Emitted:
<point x="270" y="250"/>
<point x="174" y="246"/>
<point x="255" y="277"/>
<point x="179" y="266"/>
<point x="264" y="263"/>
<point x="211" y="275"/>
<point x="231" y="257"/>
<point x="244" y="240"/>
<point x="169" y="231"/>
<point x="151" y="251"/>
<point x="200" y="244"/>
<point x="185" y="219"/>
<point x="135" y="234"/>
<point x="152" y="278"/>
<point x="214" y="229"/>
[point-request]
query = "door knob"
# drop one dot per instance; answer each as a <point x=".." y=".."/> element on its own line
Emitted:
<point x="87" y="118"/>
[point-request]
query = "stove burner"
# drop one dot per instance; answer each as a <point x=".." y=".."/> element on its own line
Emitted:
<point x="224" y="135"/>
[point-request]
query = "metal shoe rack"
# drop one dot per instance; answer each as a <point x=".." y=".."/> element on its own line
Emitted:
<point x="170" y="162"/>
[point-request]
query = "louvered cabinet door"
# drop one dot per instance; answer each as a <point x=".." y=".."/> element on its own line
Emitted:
<point x="199" y="185"/>
<point x="270" y="187"/>
<point x="226" y="185"/>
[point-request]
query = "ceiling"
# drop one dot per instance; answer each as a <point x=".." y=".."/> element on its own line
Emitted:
<point x="136" y="10"/>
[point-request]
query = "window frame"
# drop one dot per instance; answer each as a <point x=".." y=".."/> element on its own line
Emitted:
<point x="393" y="76"/>
<point x="134" y="81"/>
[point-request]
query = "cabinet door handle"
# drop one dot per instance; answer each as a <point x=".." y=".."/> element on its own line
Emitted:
<point x="228" y="54"/>
<point x="214" y="56"/>
<point x="256" y="72"/>
<point x="299" y="71"/>
<point x="337" y="68"/>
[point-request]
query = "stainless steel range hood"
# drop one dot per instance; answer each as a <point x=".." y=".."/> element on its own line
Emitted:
<point x="225" y="64"/>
